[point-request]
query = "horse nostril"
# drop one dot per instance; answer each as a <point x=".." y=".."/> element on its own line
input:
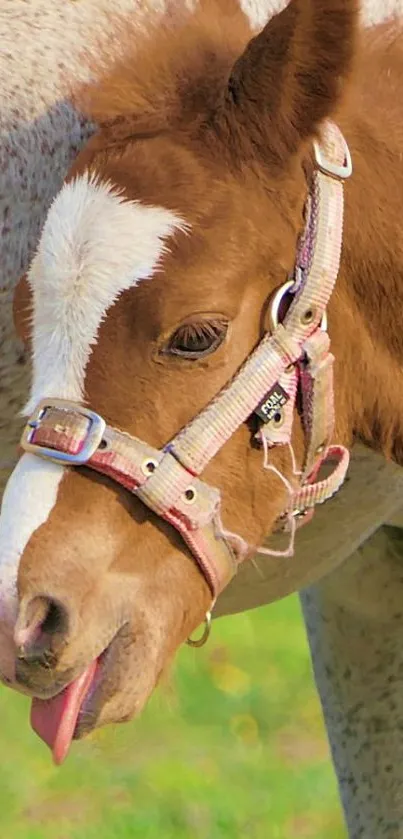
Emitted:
<point x="41" y="627"/>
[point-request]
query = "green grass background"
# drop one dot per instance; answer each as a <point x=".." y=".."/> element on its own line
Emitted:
<point x="233" y="745"/>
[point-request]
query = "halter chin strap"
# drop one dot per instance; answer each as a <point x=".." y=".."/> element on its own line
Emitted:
<point x="294" y="356"/>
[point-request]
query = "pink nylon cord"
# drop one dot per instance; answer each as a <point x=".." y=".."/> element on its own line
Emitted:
<point x="288" y="552"/>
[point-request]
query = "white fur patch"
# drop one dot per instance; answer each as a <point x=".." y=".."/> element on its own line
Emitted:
<point x="29" y="497"/>
<point x="94" y="246"/>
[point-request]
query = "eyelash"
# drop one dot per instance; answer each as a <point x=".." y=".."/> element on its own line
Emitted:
<point x="197" y="340"/>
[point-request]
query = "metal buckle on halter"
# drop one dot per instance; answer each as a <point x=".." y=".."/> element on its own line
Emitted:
<point x="93" y="437"/>
<point x="335" y="171"/>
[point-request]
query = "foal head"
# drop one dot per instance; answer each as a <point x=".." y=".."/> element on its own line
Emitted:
<point x="149" y="288"/>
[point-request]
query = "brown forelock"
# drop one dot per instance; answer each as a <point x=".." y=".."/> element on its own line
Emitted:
<point x="245" y="215"/>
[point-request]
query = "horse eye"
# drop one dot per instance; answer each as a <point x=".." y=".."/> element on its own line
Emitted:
<point x="196" y="340"/>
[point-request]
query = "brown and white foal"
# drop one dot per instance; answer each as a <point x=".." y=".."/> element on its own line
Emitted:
<point x="150" y="287"/>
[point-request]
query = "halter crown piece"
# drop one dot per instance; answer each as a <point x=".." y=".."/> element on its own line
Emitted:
<point x="293" y="358"/>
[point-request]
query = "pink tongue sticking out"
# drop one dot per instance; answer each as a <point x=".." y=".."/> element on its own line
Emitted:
<point x="54" y="720"/>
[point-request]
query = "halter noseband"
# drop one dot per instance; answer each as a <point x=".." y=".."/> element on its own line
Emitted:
<point x="294" y="357"/>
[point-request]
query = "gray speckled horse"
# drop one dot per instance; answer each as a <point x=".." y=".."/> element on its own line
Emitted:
<point x="348" y="561"/>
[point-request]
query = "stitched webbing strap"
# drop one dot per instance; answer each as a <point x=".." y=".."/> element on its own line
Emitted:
<point x="317" y="399"/>
<point x="190" y="505"/>
<point x="316" y="272"/>
<point x="320" y="491"/>
<point x="195" y="446"/>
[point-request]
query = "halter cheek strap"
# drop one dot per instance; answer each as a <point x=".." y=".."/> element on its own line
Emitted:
<point x="294" y="357"/>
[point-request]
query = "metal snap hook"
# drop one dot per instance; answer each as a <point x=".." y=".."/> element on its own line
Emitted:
<point x="200" y="642"/>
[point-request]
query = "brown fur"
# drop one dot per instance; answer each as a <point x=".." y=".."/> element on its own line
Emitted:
<point x="224" y="141"/>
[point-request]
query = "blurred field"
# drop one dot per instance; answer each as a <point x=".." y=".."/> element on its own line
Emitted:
<point x="233" y="746"/>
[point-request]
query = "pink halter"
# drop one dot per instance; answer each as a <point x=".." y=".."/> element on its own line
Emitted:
<point x="295" y="356"/>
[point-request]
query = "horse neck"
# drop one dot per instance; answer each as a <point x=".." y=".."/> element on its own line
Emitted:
<point x="367" y="306"/>
<point x="368" y="339"/>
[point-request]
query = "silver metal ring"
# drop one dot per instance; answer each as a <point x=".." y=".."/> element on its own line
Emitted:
<point x="277" y="301"/>
<point x="200" y="642"/>
<point x="327" y="167"/>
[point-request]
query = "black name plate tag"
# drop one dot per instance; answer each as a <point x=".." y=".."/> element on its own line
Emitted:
<point x="271" y="404"/>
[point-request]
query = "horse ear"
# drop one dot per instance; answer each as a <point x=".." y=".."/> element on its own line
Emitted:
<point x="22" y="309"/>
<point x="290" y="78"/>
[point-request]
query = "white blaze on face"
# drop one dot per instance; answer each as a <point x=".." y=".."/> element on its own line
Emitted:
<point x="28" y="499"/>
<point x="94" y="246"/>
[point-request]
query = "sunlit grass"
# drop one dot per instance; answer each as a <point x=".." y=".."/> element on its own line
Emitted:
<point x="232" y="746"/>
